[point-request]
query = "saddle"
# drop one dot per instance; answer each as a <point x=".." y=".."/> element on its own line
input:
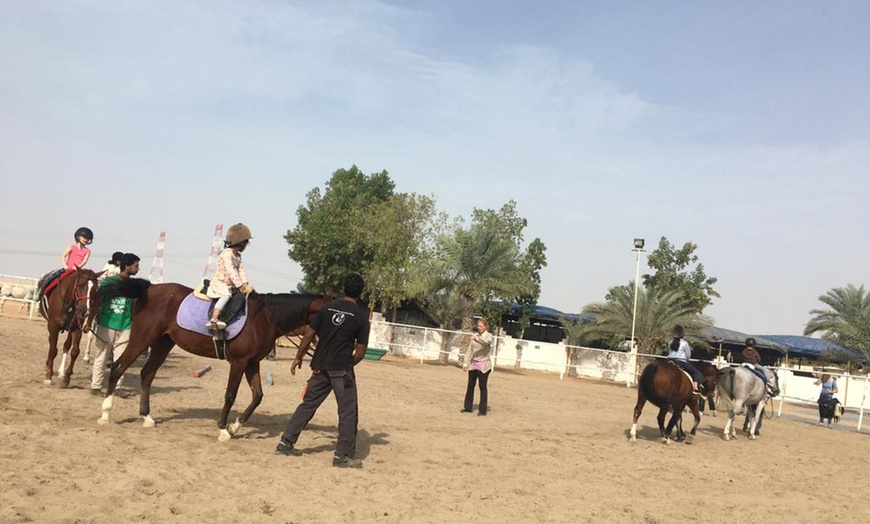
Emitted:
<point x="231" y="310"/>
<point x="755" y="372"/>
<point x="196" y="309"/>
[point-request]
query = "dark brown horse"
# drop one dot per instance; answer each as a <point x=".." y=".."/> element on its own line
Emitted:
<point x="269" y="316"/>
<point x="666" y="386"/>
<point x="69" y="307"/>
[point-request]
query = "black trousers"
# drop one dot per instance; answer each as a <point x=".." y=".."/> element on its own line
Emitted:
<point x="473" y="377"/>
<point x="343" y="384"/>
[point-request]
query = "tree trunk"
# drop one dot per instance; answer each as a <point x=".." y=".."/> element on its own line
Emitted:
<point x="467" y="325"/>
<point x="444" y="356"/>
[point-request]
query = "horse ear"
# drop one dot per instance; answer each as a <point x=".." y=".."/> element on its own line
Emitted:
<point x="78" y="268"/>
<point x="98" y="275"/>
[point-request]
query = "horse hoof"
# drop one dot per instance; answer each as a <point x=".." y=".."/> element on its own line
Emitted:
<point x="752" y="437"/>
<point x="87" y="360"/>
<point x="689" y="439"/>
<point x="224" y="436"/>
<point x="47" y="382"/>
<point x="234" y="427"/>
<point x="666" y="441"/>
<point x="148" y="422"/>
<point x="103" y="421"/>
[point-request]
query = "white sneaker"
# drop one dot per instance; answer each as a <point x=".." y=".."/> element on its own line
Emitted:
<point x="216" y="324"/>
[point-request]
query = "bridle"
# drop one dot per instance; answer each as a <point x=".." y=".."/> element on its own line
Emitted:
<point x="81" y="301"/>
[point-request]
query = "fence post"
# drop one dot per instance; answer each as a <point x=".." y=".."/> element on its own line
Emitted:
<point x="863" y="400"/>
<point x="423" y="349"/>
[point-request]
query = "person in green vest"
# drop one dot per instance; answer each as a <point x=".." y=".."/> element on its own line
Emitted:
<point x="113" y="324"/>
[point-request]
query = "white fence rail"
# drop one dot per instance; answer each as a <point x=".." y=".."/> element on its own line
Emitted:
<point x="18" y="289"/>
<point x="432" y="344"/>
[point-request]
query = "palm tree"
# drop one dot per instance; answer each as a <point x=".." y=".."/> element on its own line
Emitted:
<point x="657" y="312"/>
<point x="476" y="264"/>
<point x="445" y="309"/>
<point x="846" y="320"/>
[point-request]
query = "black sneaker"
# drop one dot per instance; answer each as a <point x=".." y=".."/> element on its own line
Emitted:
<point x="286" y="448"/>
<point x="482" y="414"/>
<point x="96" y="393"/>
<point x="344" y="461"/>
<point x="465" y="410"/>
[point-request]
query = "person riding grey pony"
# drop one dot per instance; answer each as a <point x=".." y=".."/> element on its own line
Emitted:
<point x="753" y="358"/>
<point x="679" y="352"/>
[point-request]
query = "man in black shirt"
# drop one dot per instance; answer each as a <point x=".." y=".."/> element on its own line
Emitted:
<point x="342" y="329"/>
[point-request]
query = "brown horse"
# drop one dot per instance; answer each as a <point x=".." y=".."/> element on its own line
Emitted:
<point x="269" y="316"/>
<point x="69" y="306"/>
<point x="666" y="386"/>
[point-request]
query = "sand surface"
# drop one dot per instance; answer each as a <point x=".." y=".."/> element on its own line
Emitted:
<point x="549" y="451"/>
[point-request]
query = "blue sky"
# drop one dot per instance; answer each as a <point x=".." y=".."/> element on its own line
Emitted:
<point x="741" y="126"/>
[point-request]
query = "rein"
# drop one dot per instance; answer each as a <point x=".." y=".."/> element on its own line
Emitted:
<point x="76" y="299"/>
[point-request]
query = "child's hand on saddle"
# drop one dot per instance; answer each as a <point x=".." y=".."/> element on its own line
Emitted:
<point x="246" y="289"/>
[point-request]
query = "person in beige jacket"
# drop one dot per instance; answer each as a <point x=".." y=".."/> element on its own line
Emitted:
<point x="478" y="365"/>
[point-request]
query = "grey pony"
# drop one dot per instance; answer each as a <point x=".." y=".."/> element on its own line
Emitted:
<point x="741" y="388"/>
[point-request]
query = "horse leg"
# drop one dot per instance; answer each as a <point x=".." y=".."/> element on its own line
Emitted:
<point x="87" y="355"/>
<point x="64" y="360"/>
<point x="663" y="411"/>
<point x="156" y="357"/>
<point x="73" y="340"/>
<point x="237" y="368"/>
<point x="252" y="374"/>
<point x="137" y="345"/>
<point x="638" y="408"/>
<point x="53" y="334"/>
<point x="693" y="405"/>
<point x="677" y="422"/>
<point x="755" y="416"/>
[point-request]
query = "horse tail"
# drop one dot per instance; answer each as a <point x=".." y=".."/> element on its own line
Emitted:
<point x="729" y="373"/>
<point x="128" y="288"/>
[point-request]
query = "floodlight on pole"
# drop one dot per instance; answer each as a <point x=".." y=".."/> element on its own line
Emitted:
<point x="638" y="249"/>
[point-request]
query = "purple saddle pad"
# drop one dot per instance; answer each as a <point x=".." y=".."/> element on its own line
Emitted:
<point x="193" y="316"/>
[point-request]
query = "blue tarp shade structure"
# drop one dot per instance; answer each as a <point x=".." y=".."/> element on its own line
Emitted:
<point x="729" y="337"/>
<point x="814" y="348"/>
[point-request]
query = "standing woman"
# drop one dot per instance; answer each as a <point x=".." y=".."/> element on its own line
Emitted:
<point x="478" y="365"/>
<point x="829" y="389"/>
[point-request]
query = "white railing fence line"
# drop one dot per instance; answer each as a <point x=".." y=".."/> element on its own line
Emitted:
<point x="18" y="289"/>
<point x="435" y="344"/>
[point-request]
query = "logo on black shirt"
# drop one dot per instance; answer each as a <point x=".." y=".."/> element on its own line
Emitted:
<point x="338" y="319"/>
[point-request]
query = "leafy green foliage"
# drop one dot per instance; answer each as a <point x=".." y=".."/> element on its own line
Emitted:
<point x="846" y="320"/>
<point x="483" y="263"/>
<point x="658" y="310"/>
<point x="673" y="272"/>
<point x="360" y="224"/>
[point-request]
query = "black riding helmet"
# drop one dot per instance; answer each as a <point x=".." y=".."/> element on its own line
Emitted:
<point x="750" y="342"/>
<point x="84" y="232"/>
<point x="116" y="257"/>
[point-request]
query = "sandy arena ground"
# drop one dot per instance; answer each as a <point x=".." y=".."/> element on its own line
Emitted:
<point x="550" y="451"/>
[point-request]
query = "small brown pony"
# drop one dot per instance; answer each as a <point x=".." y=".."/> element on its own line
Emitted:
<point x="269" y="316"/>
<point x="666" y="386"/>
<point x="69" y="306"/>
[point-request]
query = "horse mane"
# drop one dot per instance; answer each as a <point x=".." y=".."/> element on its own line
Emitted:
<point x="127" y="288"/>
<point x="287" y="311"/>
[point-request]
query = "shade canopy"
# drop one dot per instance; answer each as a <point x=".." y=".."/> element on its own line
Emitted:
<point x="815" y="348"/>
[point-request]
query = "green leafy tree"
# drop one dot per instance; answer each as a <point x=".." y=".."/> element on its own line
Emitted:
<point x="483" y="263"/>
<point x="674" y="271"/>
<point x="445" y="309"/>
<point x="658" y="310"/>
<point x="845" y="320"/>
<point x="327" y="241"/>
<point x="395" y="234"/>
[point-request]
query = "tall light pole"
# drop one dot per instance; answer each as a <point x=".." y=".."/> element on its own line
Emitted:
<point x="638" y="249"/>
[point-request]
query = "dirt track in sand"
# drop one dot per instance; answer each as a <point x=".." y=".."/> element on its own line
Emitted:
<point x="550" y="451"/>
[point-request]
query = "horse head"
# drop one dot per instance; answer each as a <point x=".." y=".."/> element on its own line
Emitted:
<point x="86" y="300"/>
